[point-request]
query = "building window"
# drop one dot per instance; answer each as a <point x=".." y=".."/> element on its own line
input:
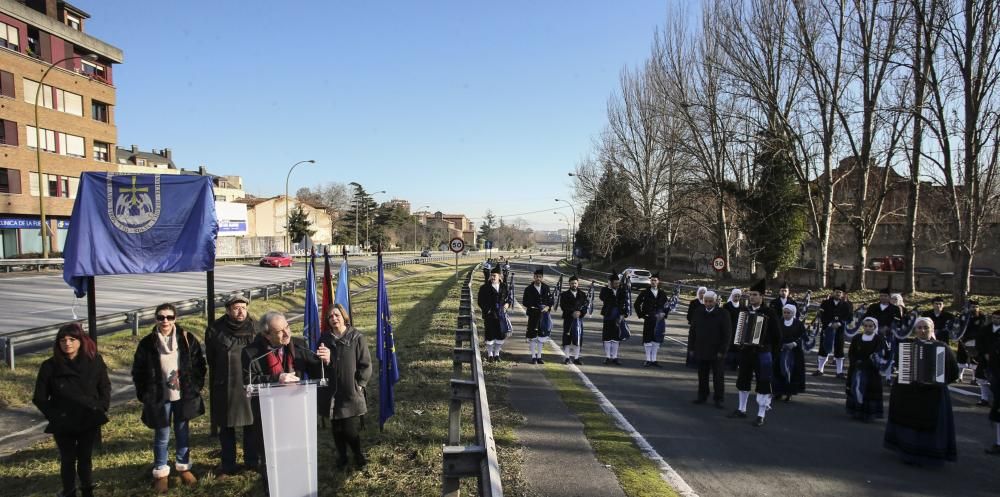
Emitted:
<point x="55" y="185"/>
<point x="10" y="180"/>
<point x="93" y="70"/>
<point x="101" y="151"/>
<point x="54" y="98"/>
<point x="6" y="84"/>
<point x="99" y="111"/>
<point x="140" y="162"/>
<point x="73" y="22"/>
<point x="8" y="133"/>
<point x="55" y="142"/>
<point x="8" y="37"/>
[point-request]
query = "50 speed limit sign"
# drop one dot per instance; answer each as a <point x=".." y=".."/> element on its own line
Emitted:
<point x="456" y="245"/>
<point x="719" y="264"/>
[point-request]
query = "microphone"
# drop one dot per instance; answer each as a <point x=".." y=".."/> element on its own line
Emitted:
<point x="322" y="369"/>
<point x="250" y="369"/>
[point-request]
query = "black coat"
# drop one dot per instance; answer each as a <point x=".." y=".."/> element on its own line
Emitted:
<point x="647" y="306"/>
<point x="941" y="330"/>
<point x="224" y="343"/>
<point x="693" y="307"/>
<point x="349" y="370"/>
<point x="778" y="307"/>
<point x="770" y="336"/>
<point x="830" y="311"/>
<point x="712" y="334"/>
<point x="73" y="395"/>
<point x="917" y="406"/>
<point x="885" y="316"/>
<point x="489" y="299"/>
<point x="255" y="366"/>
<point x="568" y="303"/>
<point x="149" y="383"/>
<point x="611" y="300"/>
<point x="534" y="301"/>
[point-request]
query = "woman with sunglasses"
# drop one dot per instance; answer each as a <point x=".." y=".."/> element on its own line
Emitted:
<point x="74" y="393"/>
<point x="169" y="371"/>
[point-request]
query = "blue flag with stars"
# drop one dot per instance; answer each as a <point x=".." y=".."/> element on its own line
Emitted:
<point x="385" y="349"/>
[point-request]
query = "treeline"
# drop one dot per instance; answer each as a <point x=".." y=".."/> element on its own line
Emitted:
<point x="769" y="122"/>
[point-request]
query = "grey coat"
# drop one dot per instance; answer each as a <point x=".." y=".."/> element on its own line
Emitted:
<point x="349" y="371"/>
<point x="224" y="343"/>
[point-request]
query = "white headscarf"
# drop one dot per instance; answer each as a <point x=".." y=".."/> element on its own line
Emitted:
<point x="734" y="297"/>
<point x="701" y="290"/>
<point x="897" y="297"/>
<point x="790" y="307"/>
<point x="873" y="320"/>
<point x="930" y="323"/>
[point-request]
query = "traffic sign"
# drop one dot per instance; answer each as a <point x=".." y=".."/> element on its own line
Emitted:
<point x="456" y="245"/>
<point x="719" y="264"/>
<point x="489" y="244"/>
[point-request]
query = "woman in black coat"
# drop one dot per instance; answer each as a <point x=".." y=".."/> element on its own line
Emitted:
<point x="864" y="384"/>
<point x="790" y="362"/>
<point x="349" y="370"/>
<point x="74" y="393"/>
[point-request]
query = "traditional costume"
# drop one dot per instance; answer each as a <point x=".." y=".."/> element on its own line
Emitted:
<point x="573" y="301"/>
<point x="733" y="306"/>
<point x="757" y="361"/>
<point x="834" y="316"/>
<point x="613" y="302"/>
<point x="491" y="300"/>
<point x="651" y="307"/>
<point x="790" y="363"/>
<point x="538" y="301"/>
<point x="693" y="310"/>
<point x="867" y="355"/>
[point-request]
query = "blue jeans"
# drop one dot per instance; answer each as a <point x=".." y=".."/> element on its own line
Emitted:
<point x="161" y="438"/>
<point x="227" y="438"/>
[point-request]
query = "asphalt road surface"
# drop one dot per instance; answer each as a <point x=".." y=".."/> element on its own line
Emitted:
<point x="32" y="300"/>
<point x="808" y="447"/>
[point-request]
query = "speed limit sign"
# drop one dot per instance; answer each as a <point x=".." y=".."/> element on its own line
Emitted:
<point x="457" y="245"/>
<point x="719" y="264"/>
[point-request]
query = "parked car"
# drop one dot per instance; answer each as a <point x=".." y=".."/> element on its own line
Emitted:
<point x="638" y="277"/>
<point x="983" y="271"/>
<point x="888" y="263"/>
<point x="925" y="270"/>
<point x="276" y="259"/>
<point x="425" y="253"/>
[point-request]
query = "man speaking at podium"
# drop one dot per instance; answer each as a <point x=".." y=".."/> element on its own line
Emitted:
<point x="275" y="357"/>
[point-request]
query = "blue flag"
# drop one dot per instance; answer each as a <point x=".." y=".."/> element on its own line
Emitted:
<point x="343" y="294"/>
<point x="139" y="223"/>
<point x="311" y="314"/>
<point x="385" y="349"/>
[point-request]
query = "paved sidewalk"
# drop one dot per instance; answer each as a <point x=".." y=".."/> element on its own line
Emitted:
<point x="558" y="459"/>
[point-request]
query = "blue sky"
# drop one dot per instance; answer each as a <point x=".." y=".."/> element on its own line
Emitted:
<point x="463" y="105"/>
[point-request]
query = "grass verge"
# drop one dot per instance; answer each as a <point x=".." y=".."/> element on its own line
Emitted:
<point x="405" y="458"/>
<point x="637" y="475"/>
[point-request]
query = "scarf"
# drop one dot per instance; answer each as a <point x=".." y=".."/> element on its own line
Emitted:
<point x="274" y="364"/>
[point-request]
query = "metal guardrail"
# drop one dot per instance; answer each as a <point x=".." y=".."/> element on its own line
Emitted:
<point x="480" y="458"/>
<point x="35" y="339"/>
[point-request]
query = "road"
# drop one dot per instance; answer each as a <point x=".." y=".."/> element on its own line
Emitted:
<point x="808" y="447"/>
<point x="32" y="300"/>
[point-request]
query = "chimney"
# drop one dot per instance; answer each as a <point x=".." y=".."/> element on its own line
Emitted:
<point x="202" y="171"/>
<point x="166" y="153"/>
<point x="135" y="149"/>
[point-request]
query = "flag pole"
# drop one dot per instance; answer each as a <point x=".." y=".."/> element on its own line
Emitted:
<point x="350" y="307"/>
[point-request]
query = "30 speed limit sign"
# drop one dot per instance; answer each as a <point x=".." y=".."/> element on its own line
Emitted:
<point x="719" y="264"/>
<point x="456" y="245"/>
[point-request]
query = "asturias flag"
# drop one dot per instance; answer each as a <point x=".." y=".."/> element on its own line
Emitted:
<point x="343" y="296"/>
<point x="385" y="349"/>
<point x="140" y="223"/>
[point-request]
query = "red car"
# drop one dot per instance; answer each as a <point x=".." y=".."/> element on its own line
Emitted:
<point x="276" y="259"/>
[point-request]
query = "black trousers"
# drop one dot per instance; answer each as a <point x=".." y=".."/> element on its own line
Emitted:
<point x="347" y="432"/>
<point x="718" y="379"/>
<point x="75" y="452"/>
<point x="749" y="368"/>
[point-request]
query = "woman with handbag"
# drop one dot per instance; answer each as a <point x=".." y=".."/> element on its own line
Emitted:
<point x="74" y="393"/>
<point x="168" y="371"/>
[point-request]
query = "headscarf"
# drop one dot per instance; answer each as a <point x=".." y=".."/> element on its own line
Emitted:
<point x="873" y="320"/>
<point x="894" y="297"/>
<point x="734" y="297"/>
<point x="790" y="307"/>
<point x="930" y="324"/>
<point x="701" y="290"/>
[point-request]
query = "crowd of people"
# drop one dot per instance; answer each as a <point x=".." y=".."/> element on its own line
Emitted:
<point x="765" y="342"/>
<point x="169" y="370"/>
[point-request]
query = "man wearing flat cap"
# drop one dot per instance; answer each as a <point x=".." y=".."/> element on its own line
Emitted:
<point x="537" y="301"/>
<point x="834" y="314"/>
<point x="225" y="339"/>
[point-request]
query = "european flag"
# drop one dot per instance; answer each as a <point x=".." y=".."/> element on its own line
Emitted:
<point x="139" y="223"/>
<point x="311" y="314"/>
<point x="385" y="349"/>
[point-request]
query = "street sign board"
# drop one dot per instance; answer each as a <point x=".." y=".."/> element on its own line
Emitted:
<point x="719" y="264"/>
<point x="457" y="245"/>
<point x="489" y="244"/>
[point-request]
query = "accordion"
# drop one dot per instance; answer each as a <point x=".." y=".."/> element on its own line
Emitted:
<point x="749" y="328"/>
<point x="921" y="362"/>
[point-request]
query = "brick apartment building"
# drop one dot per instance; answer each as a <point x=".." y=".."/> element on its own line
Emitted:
<point x="75" y="117"/>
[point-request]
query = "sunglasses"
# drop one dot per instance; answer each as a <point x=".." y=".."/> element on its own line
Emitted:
<point x="161" y="317"/>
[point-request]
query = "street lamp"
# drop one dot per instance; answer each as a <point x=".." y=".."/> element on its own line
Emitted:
<point x="288" y="234"/>
<point x="42" y="227"/>
<point x="571" y="254"/>
<point x="569" y="231"/>
<point x="415" y="226"/>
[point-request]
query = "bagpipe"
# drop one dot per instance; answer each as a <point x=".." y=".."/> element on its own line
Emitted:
<point x="623" y="331"/>
<point x="828" y="333"/>
<point x="555" y="307"/>
<point x="505" y="326"/>
<point x="894" y="333"/>
<point x="660" y="331"/>
<point x="961" y="326"/>
<point x="804" y="308"/>
<point x="576" y="328"/>
<point x="590" y="299"/>
<point x="854" y="326"/>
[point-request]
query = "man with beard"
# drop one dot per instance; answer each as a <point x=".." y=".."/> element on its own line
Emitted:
<point x="574" y="304"/>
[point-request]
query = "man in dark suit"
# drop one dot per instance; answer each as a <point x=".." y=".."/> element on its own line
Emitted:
<point x="537" y="301"/>
<point x="574" y="304"/>
<point x="784" y="297"/>
<point x="613" y="299"/>
<point x="756" y="361"/>
<point x="650" y="306"/>
<point x="492" y="301"/>
<point x="834" y="314"/>
<point x="712" y="335"/>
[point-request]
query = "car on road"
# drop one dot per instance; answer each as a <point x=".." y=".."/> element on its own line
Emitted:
<point x="983" y="271"/>
<point x="425" y="253"/>
<point x="276" y="259"/>
<point x="638" y="277"/>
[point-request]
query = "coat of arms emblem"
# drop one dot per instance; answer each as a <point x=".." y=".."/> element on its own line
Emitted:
<point x="133" y="201"/>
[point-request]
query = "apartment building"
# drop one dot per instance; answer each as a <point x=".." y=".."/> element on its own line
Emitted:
<point x="46" y="55"/>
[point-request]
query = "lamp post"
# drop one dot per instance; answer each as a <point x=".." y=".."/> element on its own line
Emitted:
<point x="571" y="234"/>
<point x="288" y="234"/>
<point x="415" y="227"/>
<point x="569" y="231"/>
<point x="43" y="226"/>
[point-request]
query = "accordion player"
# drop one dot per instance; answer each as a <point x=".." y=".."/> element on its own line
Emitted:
<point x="749" y="328"/>
<point x="921" y="362"/>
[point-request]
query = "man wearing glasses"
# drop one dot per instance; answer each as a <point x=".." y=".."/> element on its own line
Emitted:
<point x="168" y="371"/>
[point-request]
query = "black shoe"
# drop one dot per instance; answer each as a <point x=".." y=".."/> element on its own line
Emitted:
<point x="983" y="402"/>
<point x="578" y="362"/>
<point x="534" y="361"/>
<point x="655" y="364"/>
<point x="759" y="421"/>
<point x="616" y="362"/>
<point x="647" y="364"/>
<point x="841" y="376"/>
<point x="719" y="405"/>
<point x="699" y="401"/>
<point x="567" y="361"/>
<point x="541" y="361"/>
<point x="817" y="373"/>
<point x="737" y="414"/>
<point x="607" y="361"/>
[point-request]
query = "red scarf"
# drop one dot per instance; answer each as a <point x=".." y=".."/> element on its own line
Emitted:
<point x="274" y="365"/>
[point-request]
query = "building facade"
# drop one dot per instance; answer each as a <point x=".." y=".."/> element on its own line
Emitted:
<point x="75" y="118"/>
<point x="266" y="218"/>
